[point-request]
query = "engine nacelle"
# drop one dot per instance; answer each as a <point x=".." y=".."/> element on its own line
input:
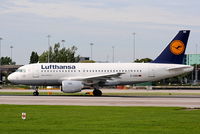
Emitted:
<point x="71" y="86"/>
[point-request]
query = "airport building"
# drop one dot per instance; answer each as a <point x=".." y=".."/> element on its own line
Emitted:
<point x="84" y="59"/>
<point x="191" y="59"/>
<point x="5" y="70"/>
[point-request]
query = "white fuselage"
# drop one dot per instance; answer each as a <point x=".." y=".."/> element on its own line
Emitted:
<point x="130" y="73"/>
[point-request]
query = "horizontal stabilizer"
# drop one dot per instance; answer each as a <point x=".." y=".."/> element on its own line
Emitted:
<point x="180" y="67"/>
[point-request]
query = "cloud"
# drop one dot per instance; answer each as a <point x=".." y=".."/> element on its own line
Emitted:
<point x="99" y="11"/>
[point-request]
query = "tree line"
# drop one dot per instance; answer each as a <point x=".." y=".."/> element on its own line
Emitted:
<point x="6" y="61"/>
<point x="56" y="54"/>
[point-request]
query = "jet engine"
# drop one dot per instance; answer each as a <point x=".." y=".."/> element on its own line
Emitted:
<point x="71" y="86"/>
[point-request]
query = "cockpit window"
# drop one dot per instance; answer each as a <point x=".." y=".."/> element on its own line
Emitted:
<point x="21" y="70"/>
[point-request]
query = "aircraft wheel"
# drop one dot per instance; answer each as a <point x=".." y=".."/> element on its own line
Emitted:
<point x="97" y="92"/>
<point x="36" y="93"/>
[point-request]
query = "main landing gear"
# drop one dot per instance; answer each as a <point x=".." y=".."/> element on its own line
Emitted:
<point x="36" y="93"/>
<point x="97" y="92"/>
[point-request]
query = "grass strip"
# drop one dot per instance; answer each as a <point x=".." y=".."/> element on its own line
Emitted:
<point x="98" y="120"/>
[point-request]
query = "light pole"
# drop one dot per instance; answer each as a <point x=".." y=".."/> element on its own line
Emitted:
<point x="113" y="52"/>
<point x="63" y="43"/>
<point x="0" y="59"/>
<point x="196" y="67"/>
<point x="91" y="44"/>
<point x="48" y="36"/>
<point x="107" y="58"/>
<point x="11" y="47"/>
<point x="134" y="46"/>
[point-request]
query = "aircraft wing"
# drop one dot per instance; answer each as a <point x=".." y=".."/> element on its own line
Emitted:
<point x="101" y="77"/>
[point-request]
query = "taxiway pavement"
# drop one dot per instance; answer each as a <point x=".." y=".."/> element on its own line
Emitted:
<point x="191" y="101"/>
<point x="165" y="101"/>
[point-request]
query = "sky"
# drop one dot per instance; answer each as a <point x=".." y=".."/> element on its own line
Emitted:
<point x="25" y="24"/>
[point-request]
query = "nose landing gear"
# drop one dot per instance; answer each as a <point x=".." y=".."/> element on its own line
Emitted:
<point x="36" y="93"/>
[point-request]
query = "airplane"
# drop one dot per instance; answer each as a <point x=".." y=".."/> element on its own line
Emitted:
<point x="74" y="77"/>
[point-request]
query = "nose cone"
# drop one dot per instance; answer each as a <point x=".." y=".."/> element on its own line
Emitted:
<point x="10" y="78"/>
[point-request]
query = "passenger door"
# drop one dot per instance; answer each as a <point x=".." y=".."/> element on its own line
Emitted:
<point x="35" y="71"/>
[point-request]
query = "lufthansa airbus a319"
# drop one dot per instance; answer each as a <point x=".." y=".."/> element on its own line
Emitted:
<point x="73" y="77"/>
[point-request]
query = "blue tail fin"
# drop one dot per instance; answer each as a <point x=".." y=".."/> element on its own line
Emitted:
<point x="175" y="51"/>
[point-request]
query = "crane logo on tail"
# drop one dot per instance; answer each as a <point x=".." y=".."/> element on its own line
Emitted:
<point x="177" y="47"/>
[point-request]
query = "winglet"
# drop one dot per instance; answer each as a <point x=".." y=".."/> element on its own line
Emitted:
<point x="174" y="52"/>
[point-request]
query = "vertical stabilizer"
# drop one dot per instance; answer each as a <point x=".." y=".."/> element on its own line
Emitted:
<point x="174" y="52"/>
